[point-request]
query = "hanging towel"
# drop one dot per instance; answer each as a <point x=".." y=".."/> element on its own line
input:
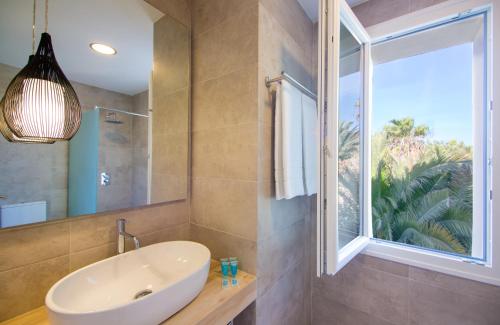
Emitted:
<point x="309" y="143"/>
<point x="288" y="162"/>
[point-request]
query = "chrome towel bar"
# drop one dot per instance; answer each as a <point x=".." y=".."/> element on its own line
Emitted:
<point x="290" y="79"/>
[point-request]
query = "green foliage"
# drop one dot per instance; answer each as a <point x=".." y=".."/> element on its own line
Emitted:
<point x="431" y="206"/>
<point x="421" y="190"/>
<point x="405" y="128"/>
<point x="348" y="185"/>
<point x="348" y="140"/>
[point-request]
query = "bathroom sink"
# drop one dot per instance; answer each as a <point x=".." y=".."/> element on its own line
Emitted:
<point x="144" y="286"/>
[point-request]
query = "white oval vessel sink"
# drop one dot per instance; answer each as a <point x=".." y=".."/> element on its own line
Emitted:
<point x="144" y="286"/>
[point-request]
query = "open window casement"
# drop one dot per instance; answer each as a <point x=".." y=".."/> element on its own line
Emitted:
<point x="348" y="58"/>
<point x="344" y="72"/>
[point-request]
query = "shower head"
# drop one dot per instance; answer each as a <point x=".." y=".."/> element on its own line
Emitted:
<point x="111" y="118"/>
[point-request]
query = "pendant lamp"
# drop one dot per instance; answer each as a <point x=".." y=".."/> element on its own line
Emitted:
<point x="40" y="103"/>
<point x="11" y="137"/>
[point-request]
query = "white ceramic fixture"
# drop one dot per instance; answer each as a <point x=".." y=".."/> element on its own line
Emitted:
<point x="144" y="286"/>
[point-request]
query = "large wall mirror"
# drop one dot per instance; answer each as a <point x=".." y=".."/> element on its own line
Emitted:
<point x="131" y="148"/>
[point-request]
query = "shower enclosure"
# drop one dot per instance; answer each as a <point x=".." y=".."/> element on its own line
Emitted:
<point x="109" y="162"/>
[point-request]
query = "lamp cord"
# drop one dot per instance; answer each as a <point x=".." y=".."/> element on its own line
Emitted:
<point x="33" y="29"/>
<point x="46" y="15"/>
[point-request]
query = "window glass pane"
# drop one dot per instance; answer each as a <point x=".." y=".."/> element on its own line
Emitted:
<point x="428" y="136"/>
<point x="350" y="92"/>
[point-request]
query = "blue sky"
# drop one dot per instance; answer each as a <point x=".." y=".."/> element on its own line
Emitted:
<point x="434" y="88"/>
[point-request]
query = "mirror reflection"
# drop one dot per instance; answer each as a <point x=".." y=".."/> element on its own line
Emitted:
<point x="129" y="66"/>
<point x="350" y="96"/>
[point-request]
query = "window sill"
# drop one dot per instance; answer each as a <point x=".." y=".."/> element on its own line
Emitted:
<point x="452" y="265"/>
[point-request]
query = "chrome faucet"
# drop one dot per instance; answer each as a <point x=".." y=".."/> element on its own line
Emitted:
<point x="122" y="235"/>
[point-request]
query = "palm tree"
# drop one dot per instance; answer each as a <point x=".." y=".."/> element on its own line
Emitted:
<point x="428" y="205"/>
<point x="431" y="206"/>
<point x="405" y="143"/>
<point x="405" y="127"/>
<point x="348" y="187"/>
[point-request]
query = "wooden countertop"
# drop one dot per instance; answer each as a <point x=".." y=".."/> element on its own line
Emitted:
<point x="214" y="305"/>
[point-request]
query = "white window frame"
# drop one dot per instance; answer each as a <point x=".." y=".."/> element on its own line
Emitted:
<point x="330" y="258"/>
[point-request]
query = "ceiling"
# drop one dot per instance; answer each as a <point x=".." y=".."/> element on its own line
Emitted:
<point x="311" y="7"/>
<point x="126" y="25"/>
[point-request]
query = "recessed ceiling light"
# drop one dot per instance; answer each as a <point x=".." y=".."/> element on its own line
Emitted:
<point x="103" y="48"/>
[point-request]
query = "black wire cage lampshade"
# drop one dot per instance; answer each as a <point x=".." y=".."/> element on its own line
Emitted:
<point x="40" y="104"/>
<point x="11" y="137"/>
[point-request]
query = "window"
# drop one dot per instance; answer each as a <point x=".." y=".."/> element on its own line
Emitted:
<point x="406" y="168"/>
<point x="428" y="142"/>
<point x="349" y="153"/>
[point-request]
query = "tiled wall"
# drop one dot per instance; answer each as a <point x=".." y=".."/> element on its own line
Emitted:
<point x="140" y="150"/>
<point x="286" y="38"/>
<point x="370" y="290"/>
<point x="171" y="95"/>
<point x="224" y="128"/>
<point x="115" y="159"/>
<point x="373" y="12"/>
<point x="374" y="291"/>
<point x="33" y="258"/>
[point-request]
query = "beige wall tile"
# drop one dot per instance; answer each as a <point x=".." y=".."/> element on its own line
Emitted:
<point x="157" y="217"/>
<point x="383" y="265"/>
<point x="227" y="47"/>
<point x="455" y="284"/>
<point x="208" y="14"/>
<point x="285" y="302"/>
<point x="223" y="244"/>
<point x="171" y="113"/>
<point x="378" y="293"/>
<point x="266" y="153"/>
<point x="171" y="100"/>
<point x="88" y="256"/>
<point x="431" y="305"/>
<point x="91" y="97"/>
<point x="178" y="9"/>
<point x="170" y="154"/>
<point x="280" y="254"/>
<point x="292" y="18"/>
<point x="178" y="232"/>
<point x="285" y="44"/>
<point x="151" y="225"/>
<point x="33" y="244"/>
<point x="229" y="152"/>
<point x="276" y="215"/>
<point x="225" y="205"/>
<point x="169" y="186"/>
<point x="421" y="4"/>
<point x="279" y="51"/>
<point x="376" y="11"/>
<point x="92" y="232"/>
<point x="171" y="64"/>
<point x="328" y="311"/>
<point x="23" y="289"/>
<point x="230" y="100"/>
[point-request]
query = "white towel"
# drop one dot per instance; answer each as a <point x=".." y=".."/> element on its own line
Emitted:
<point x="309" y="143"/>
<point x="288" y="164"/>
